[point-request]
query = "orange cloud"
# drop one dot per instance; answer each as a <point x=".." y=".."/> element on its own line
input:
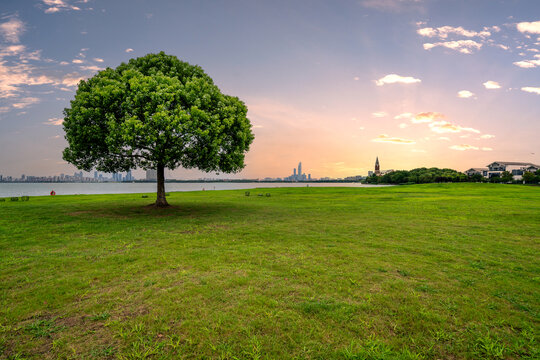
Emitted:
<point x="426" y="117"/>
<point x="442" y="127"/>
<point x="54" y="121"/>
<point x="463" y="147"/>
<point x="394" y="140"/>
<point x="492" y="85"/>
<point x="24" y="102"/>
<point x="379" y="114"/>
<point x="534" y="90"/>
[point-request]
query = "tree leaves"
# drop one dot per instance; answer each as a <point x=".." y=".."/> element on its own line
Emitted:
<point x="155" y="110"/>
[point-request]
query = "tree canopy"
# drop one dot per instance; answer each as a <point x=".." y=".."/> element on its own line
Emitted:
<point x="418" y="176"/>
<point x="155" y="112"/>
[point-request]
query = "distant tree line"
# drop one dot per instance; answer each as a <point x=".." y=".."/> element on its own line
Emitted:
<point x="418" y="176"/>
<point x="435" y="175"/>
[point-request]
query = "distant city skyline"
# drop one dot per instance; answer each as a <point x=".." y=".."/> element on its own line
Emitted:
<point x="419" y="83"/>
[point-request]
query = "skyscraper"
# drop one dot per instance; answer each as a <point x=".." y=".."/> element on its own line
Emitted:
<point x="151" y="175"/>
<point x="297" y="174"/>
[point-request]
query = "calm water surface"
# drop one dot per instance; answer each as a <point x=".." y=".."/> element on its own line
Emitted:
<point x="38" y="189"/>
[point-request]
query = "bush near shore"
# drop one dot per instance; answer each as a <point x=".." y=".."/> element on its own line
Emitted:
<point x="436" y="175"/>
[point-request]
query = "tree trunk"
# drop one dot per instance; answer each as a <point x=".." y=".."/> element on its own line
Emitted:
<point x="161" y="201"/>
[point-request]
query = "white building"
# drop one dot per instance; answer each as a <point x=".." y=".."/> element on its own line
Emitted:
<point x="480" y="171"/>
<point x="515" y="168"/>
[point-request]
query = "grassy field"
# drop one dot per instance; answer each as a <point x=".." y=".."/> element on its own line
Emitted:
<point x="446" y="271"/>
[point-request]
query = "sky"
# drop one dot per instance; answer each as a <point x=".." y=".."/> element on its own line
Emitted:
<point x="334" y="84"/>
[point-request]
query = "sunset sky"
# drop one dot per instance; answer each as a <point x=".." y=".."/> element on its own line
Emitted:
<point x="330" y="83"/>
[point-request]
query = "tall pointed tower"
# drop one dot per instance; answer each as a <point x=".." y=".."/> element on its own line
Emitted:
<point x="377" y="167"/>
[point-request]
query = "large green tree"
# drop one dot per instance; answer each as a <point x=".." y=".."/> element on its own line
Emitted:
<point x="155" y="112"/>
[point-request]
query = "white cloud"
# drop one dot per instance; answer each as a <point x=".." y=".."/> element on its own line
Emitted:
<point x="394" y="78"/>
<point x="52" y="10"/>
<point x="98" y="60"/>
<point x="24" y="102"/>
<point x="54" y="6"/>
<point x="379" y="114"/>
<point x="443" y="32"/>
<point x="442" y="127"/>
<point x="356" y="78"/>
<point x="504" y="47"/>
<point x="465" y="94"/>
<point x="12" y="77"/>
<point x="428" y="31"/>
<point x="529" y="27"/>
<point x="487" y="149"/>
<point x="403" y="125"/>
<point x="534" y="90"/>
<point x="91" y="68"/>
<point x="393" y="5"/>
<point x="54" y="121"/>
<point x="527" y="64"/>
<point x="463" y="147"/>
<point x="12" y="50"/>
<point x="403" y="116"/>
<point x="394" y="140"/>
<point x="71" y="80"/>
<point x="77" y="61"/>
<point x="492" y="85"/>
<point x="12" y="29"/>
<point x="128" y="50"/>
<point x="34" y="55"/>
<point x="463" y="46"/>
<point x="487" y="136"/>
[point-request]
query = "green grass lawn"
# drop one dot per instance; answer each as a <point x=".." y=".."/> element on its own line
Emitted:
<point x="446" y="271"/>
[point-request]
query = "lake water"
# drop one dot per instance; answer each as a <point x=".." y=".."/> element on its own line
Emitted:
<point x="39" y="189"/>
